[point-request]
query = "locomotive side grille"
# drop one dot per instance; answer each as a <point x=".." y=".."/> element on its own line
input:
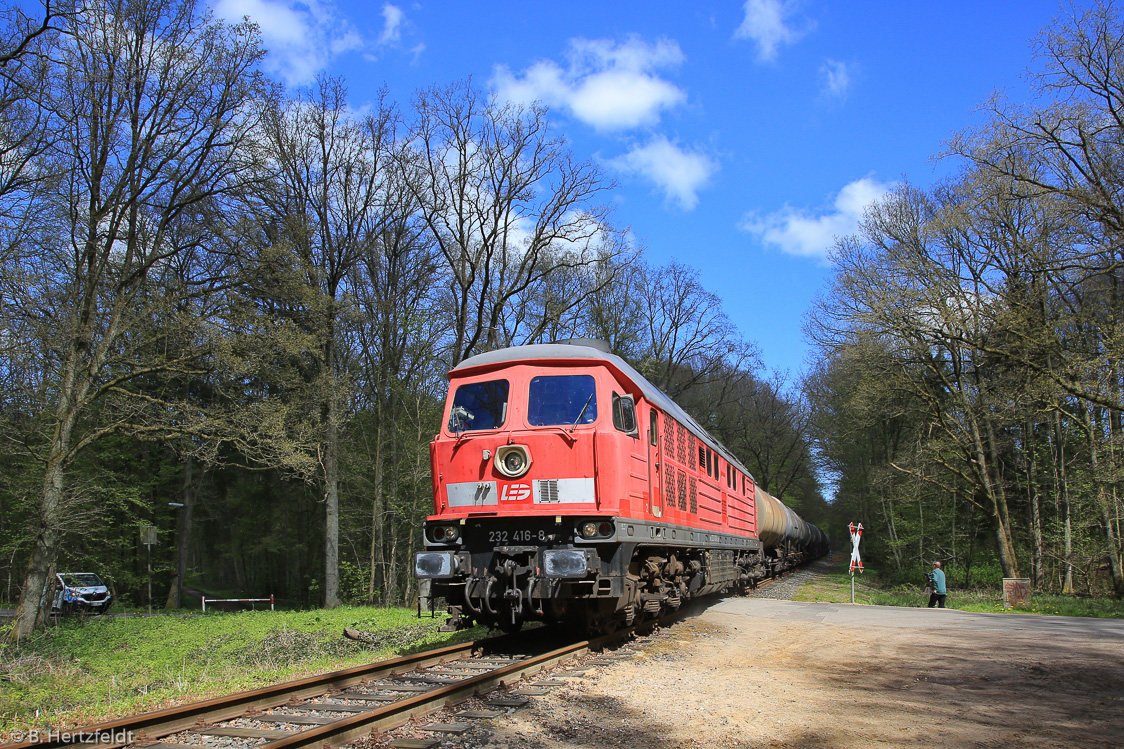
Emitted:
<point x="668" y="438"/>
<point x="681" y="442"/>
<point x="694" y="495"/>
<point x="681" y="486"/>
<point x="669" y="484"/>
<point x="548" y="490"/>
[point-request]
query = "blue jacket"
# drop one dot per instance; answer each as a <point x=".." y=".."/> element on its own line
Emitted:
<point x="938" y="583"/>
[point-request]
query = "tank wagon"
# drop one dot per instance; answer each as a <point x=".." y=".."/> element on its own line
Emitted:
<point x="569" y="488"/>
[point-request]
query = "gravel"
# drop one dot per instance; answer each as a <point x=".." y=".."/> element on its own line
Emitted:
<point x="784" y="588"/>
<point x="591" y="711"/>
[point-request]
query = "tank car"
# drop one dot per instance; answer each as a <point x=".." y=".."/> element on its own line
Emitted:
<point x="569" y="488"/>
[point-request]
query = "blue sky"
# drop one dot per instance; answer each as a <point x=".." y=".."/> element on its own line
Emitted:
<point x="743" y="136"/>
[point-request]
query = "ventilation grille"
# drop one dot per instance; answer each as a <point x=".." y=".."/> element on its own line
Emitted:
<point x="548" y="490"/>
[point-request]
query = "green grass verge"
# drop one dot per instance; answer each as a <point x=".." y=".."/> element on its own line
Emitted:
<point x="835" y="587"/>
<point x="83" y="672"/>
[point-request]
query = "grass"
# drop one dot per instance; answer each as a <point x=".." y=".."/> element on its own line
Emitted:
<point x="82" y="672"/>
<point x="835" y="587"/>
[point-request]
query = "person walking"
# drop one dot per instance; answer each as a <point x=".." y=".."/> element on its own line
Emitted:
<point x="938" y="590"/>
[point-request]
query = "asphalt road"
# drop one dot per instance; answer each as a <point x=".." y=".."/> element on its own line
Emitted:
<point x="924" y="619"/>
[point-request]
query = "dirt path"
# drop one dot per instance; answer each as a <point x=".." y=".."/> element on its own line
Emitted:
<point x="762" y="673"/>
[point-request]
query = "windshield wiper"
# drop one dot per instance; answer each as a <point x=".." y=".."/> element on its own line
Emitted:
<point x="582" y="413"/>
<point x="458" y="417"/>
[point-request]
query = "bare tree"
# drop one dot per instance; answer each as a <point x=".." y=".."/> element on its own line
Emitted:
<point x="150" y="107"/>
<point x="613" y="312"/>
<point x="397" y="336"/>
<point x="26" y="46"/>
<point x="25" y="32"/>
<point x="507" y="206"/>
<point x="324" y="212"/>
<point x="687" y="337"/>
<point x="1065" y="150"/>
<point x="769" y="428"/>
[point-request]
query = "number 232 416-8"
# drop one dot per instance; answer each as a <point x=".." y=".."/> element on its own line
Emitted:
<point x="502" y="537"/>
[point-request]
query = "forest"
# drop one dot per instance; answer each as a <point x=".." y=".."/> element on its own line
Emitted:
<point x="228" y="310"/>
<point x="967" y="391"/>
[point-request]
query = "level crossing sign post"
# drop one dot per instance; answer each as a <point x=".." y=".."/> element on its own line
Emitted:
<point x="856" y="560"/>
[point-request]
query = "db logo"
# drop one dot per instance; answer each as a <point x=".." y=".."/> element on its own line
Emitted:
<point x="515" y="492"/>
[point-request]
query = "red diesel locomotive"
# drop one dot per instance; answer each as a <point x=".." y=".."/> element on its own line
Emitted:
<point x="568" y="487"/>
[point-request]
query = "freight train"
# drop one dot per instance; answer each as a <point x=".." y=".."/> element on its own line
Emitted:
<point x="569" y="488"/>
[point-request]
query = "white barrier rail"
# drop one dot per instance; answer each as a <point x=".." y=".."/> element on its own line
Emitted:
<point x="237" y="600"/>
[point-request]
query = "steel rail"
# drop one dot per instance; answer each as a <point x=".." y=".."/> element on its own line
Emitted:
<point x="152" y="725"/>
<point x="146" y="728"/>
<point x="398" y="713"/>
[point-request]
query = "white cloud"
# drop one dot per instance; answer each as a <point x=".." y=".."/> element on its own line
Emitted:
<point x="677" y="172"/>
<point x="392" y="31"/>
<point x="836" y="77"/>
<point x="302" y="37"/>
<point x="806" y="234"/>
<point x="766" y="23"/>
<point x="608" y="85"/>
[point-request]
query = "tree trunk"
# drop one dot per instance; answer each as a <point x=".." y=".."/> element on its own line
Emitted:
<point x="331" y="516"/>
<point x="376" y="504"/>
<point x="1037" y="560"/>
<point x="972" y="531"/>
<point x="415" y="494"/>
<point x="993" y="495"/>
<point x="183" y="534"/>
<point x="32" y="606"/>
<point x="1006" y="549"/>
<point x="389" y="563"/>
<point x="31" y="610"/>
<point x="331" y="465"/>
<point x="1111" y="542"/>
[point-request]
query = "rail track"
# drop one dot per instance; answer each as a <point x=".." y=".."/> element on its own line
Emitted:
<point x="335" y="708"/>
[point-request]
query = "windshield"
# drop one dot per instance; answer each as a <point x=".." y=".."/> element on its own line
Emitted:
<point x="479" y="405"/>
<point x="562" y="399"/>
<point x="80" y="579"/>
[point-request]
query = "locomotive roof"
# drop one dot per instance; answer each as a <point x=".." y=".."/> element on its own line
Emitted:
<point x="592" y="350"/>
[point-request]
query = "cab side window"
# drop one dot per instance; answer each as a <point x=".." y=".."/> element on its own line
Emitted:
<point x="624" y="414"/>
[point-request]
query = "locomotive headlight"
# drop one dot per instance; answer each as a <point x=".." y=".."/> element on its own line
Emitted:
<point x="592" y="529"/>
<point x="430" y="564"/>
<point x="572" y="563"/>
<point x="513" y="460"/>
<point x="445" y="533"/>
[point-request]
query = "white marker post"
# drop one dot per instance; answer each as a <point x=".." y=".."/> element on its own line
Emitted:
<point x="856" y="560"/>
<point x="148" y="538"/>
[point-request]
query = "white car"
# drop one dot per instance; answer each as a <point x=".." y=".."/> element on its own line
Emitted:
<point x="81" y="592"/>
